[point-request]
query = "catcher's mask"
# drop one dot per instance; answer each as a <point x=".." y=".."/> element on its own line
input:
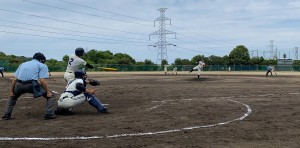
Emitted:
<point x="40" y="57"/>
<point x="80" y="74"/>
<point x="79" y="51"/>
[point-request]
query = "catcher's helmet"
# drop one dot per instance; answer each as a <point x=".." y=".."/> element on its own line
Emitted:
<point x="79" y="51"/>
<point x="40" y="57"/>
<point x="80" y="74"/>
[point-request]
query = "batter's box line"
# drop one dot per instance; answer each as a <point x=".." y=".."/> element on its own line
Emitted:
<point x="249" y="110"/>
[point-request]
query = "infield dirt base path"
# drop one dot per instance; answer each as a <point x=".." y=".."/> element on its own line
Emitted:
<point x="150" y="102"/>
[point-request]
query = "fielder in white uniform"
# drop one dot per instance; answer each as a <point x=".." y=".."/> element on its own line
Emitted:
<point x="174" y="70"/>
<point x="199" y="67"/>
<point x="74" y="63"/>
<point x="76" y="93"/>
<point x="166" y="69"/>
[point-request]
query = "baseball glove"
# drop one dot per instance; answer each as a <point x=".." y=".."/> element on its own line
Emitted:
<point x="94" y="82"/>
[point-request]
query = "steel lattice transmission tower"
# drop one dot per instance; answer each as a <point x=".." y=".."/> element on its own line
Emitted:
<point x="162" y="43"/>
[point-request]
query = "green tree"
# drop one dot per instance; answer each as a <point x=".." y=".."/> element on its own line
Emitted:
<point x="120" y="58"/>
<point x="256" y="60"/>
<point x="65" y="58"/>
<point x="148" y="62"/>
<point x="239" y="55"/>
<point x="164" y="62"/>
<point x="214" y="60"/>
<point x="179" y="61"/>
<point x="197" y="58"/>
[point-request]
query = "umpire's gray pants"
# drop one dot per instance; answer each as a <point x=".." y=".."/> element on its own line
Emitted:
<point x="27" y="88"/>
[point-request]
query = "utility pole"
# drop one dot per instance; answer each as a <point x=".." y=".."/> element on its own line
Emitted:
<point x="271" y="49"/>
<point x="296" y="53"/>
<point x="162" y="43"/>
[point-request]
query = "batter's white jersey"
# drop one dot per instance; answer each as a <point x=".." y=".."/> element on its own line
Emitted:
<point x="67" y="99"/>
<point x="73" y="64"/>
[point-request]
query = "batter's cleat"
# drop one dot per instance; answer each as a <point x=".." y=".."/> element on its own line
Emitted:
<point x="49" y="116"/>
<point x="6" y="117"/>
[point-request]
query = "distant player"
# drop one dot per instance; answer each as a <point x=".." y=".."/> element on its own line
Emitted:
<point x="269" y="70"/>
<point x="74" y="63"/>
<point x="76" y="93"/>
<point x="166" y="69"/>
<point x="174" y="71"/>
<point x="199" y="67"/>
<point x="1" y="71"/>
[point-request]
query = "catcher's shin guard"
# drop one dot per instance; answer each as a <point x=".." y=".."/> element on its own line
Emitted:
<point x="93" y="101"/>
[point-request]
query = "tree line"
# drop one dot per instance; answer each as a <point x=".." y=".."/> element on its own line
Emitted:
<point x="238" y="56"/>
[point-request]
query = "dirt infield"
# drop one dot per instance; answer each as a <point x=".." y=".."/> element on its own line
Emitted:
<point x="221" y="109"/>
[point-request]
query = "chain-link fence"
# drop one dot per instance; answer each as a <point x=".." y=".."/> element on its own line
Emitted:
<point x="12" y="67"/>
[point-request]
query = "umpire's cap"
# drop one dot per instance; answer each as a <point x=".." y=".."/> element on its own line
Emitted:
<point x="79" y="51"/>
<point x="40" y="57"/>
<point x="79" y="74"/>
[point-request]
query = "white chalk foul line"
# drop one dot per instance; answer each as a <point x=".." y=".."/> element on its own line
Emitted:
<point x="249" y="110"/>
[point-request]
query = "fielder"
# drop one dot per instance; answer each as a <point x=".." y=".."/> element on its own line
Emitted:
<point x="166" y="69"/>
<point x="174" y="70"/>
<point x="76" y="93"/>
<point x="74" y="63"/>
<point x="270" y="69"/>
<point x="199" y="67"/>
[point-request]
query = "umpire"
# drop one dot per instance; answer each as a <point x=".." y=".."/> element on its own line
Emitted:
<point x="26" y="81"/>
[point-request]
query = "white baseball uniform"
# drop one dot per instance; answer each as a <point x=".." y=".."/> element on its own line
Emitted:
<point x="166" y="69"/>
<point x="71" y="97"/>
<point x="74" y="64"/>
<point x="174" y="70"/>
<point x="199" y="67"/>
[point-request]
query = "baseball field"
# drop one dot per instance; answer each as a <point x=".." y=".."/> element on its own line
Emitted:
<point x="150" y="109"/>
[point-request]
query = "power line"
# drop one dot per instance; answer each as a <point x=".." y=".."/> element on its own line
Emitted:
<point x="68" y="34"/>
<point x="85" y="13"/>
<point x="16" y="22"/>
<point x="64" y="38"/>
<point x="103" y="10"/>
<point x="69" y="22"/>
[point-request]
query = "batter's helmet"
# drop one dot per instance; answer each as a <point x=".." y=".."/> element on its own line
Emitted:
<point x="40" y="57"/>
<point x="80" y="74"/>
<point x="79" y="51"/>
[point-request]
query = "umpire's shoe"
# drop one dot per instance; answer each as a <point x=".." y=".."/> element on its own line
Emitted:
<point x="49" y="116"/>
<point x="6" y="117"/>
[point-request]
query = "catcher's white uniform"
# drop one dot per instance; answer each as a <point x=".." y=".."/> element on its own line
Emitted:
<point x="74" y="64"/>
<point x="71" y="97"/>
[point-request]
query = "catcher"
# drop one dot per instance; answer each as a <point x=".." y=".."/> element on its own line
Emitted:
<point x="76" y="93"/>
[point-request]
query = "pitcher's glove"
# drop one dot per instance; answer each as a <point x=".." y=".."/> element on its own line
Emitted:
<point x="94" y="82"/>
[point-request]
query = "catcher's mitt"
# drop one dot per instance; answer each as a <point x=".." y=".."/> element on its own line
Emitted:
<point x="94" y="82"/>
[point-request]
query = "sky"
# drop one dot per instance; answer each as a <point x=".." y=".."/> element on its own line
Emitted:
<point x="203" y="27"/>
